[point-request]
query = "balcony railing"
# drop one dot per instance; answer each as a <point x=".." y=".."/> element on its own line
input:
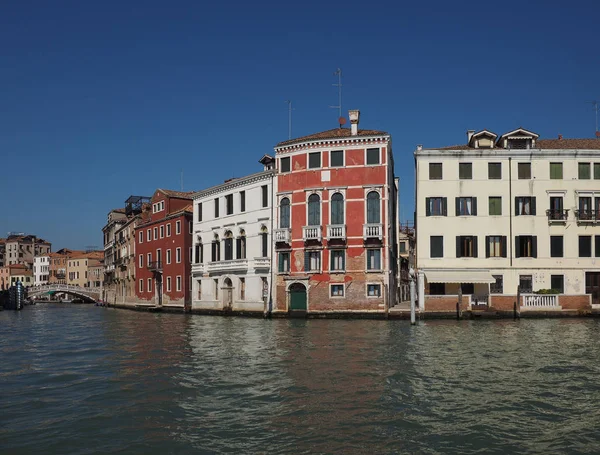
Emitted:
<point x="155" y="266"/>
<point x="557" y="216"/>
<point x="373" y="230"/>
<point x="283" y="235"/>
<point x="227" y="266"/>
<point x="311" y="233"/>
<point x="198" y="268"/>
<point x="585" y="216"/>
<point x="336" y="231"/>
<point x="540" y="301"/>
<point x="262" y="263"/>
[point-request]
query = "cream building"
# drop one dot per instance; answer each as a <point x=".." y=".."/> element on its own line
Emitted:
<point x="503" y="212"/>
<point x="231" y="268"/>
<point x="41" y="269"/>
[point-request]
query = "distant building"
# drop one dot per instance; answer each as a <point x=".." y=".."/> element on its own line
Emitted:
<point x="116" y="218"/>
<point x="19" y="273"/>
<point x="163" y="251"/>
<point x="58" y="265"/>
<point x="79" y="264"/>
<point x="21" y="249"/>
<point x="41" y="269"/>
<point x="335" y="228"/>
<point x="2" y="252"/>
<point x="232" y="243"/>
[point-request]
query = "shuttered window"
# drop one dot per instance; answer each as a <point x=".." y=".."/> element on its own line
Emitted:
<point x="314" y="210"/>
<point x="556" y="171"/>
<point x="284" y="213"/>
<point x="556" y="246"/>
<point x="465" y="171"/>
<point x="494" y="171"/>
<point x="373" y="208"/>
<point x="337" y="209"/>
<point x="495" y="206"/>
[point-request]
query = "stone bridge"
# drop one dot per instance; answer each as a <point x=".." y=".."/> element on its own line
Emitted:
<point x="88" y="294"/>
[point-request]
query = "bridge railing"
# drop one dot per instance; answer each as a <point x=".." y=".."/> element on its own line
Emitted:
<point x="64" y="288"/>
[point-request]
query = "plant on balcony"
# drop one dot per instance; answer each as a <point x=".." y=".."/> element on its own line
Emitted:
<point x="546" y="291"/>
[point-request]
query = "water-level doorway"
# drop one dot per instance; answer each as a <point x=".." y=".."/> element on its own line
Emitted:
<point x="592" y="286"/>
<point x="227" y="294"/>
<point x="298" y="298"/>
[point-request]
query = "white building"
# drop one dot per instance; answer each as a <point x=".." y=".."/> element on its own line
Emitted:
<point x="41" y="270"/>
<point x="231" y="269"/>
<point x="509" y="211"/>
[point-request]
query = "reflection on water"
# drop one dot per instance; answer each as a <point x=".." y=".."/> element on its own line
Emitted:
<point x="82" y="379"/>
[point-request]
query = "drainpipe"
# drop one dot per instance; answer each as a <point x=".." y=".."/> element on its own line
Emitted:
<point x="510" y="210"/>
<point x="269" y="309"/>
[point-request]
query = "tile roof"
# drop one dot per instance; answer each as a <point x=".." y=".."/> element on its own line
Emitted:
<point x="544" y="144"/>
<point x="335" y="133"/>
<point x="177" y="194"/>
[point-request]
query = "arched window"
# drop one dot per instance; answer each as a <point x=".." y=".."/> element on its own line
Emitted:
<point x="240" y="246"/>
<point x="264" y="237"/>
<point x="216" y="249"/>
<point x="228" y="246"/>
<point x="373" y="208"/>
<point x="284" y="213"/>
<point x="314" y="210"/>
<point x="199" y="251"/>
<point x="337" y="209"/>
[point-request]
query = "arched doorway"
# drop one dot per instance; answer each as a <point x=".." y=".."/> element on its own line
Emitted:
<point x="227" y="293"/>
<point x="298" y="297"/>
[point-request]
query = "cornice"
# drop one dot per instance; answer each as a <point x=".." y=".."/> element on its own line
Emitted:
<point x="334" y="142"/>
<point x="242" y="181"/>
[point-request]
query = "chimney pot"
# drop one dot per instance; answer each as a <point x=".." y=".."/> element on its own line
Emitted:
<point x="470" y="134"/>
<point x="354" y="116"/>
<point x="419" y="146"/>
<point x="560" y="136"/>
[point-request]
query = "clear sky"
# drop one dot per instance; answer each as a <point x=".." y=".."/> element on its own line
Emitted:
<point x="104" y="99"/>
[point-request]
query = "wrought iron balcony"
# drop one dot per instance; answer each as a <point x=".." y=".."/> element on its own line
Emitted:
<point x="283" y="235"/>
<point x="227" y="266"/>
<point x="336" y="231"/>
<point x="155" y="266"/>
<point x="373" y="230"/>
<point x="557" y="216"/>
<point x="585" y="216"/>
<point x="312" y="233"/>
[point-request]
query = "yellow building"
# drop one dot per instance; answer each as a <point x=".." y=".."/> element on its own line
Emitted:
<point x="78" y="267"/>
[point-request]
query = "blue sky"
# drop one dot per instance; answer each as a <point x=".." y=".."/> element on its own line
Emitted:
<point x="101" y="100"/>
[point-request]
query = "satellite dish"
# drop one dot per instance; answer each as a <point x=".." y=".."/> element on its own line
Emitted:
<point x="342" y="121"/>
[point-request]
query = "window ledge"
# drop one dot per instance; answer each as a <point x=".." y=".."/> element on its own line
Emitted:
<point x="374" y="270"/>
<point x="335" y="272"/>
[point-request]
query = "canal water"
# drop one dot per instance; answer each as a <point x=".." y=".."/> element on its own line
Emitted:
<point x="79" y="379"/>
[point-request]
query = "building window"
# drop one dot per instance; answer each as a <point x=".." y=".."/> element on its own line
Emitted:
<point x="169" y="230"/>
<point x="585" y="208"/>
<point x="435" y="171"/>
<point x="436" y="246"/>
<point x="284" y="164"/>
<point x="228" y="246"/>
<point x="498" y="286"/>
<point x="149" y="284"/>
<point x="141" y="261"/>
<point x="336" y="290"/>
<point x="466" y="206"/>
<point x="168" y="258"/>
<point x="373" y="156"/>
<point x="337" y="158"/>
<point x="158" y="255"/>
<point x="494" y="171"/>
<point x="557" y="283"/>
<point x="178" y="282"/>
<point x="526" y="246"/>
<point x="584" y="171"/>
<point x="525" y="205"/>
<point x="283" y="262"/>
<point x="149" y="258"/>
<point x="402" y="246"/>
<point x="242" y="201"/>
<point x="314" y="210"/>
<point x="141" y="286"/>
<point x="556" y="208"/>
<point x="177" y="227"/>
<point x="338" y="260"/>
<point x="178" y="255"/>
<point x="495" y="206"/>
<point x="596" y="171"/>
<point x="265" y="196"/>
<point x="597" y="246"/>
<point x="556" y="246"/>
<point x="264" y="244"/>
<point x="373" y="208"/>
<point x="200" y="211"/>
<point x="437" y="288"/>
<point x="155" y="233"/>
<point x="240" y="247"/>
<point x="495" y="246"/>
<point x="466" y="246"/>
<point x="168" y="284"/>
<point x="242" y="288"/>
<point x="141" y="237"/>
<point x="526" y="284"/>
<point x="436" y="206"/>
<point x="199" y="253"/>
<point x="467" y="288"/>
<point x="585" y="246"/>
<point x="374" y="259"/>
<point x="556" y="171"/>
<point x="312" y="261"/>
<point x="524" y="171"/>
<point x="149" y="235"/>
<point x="337" y="209"/>
<point x="162" y="231"/>
<point x="465" y="171"/>
<point x="284" y="213"/>
<point x="229" y="204"/>
<point x="314" y="160"/>
<point x="373" y="290"/>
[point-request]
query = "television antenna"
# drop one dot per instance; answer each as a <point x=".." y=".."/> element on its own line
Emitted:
<point x="290" y="109"/>
<point x="338" y="73"/>
<point x="596" y="107"/>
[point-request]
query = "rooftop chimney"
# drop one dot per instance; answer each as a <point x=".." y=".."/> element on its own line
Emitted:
<point x="419" y="146"/>
<point x="354" y="117"/>
<point x="559" y="136"/>
<point x="470" y="134"/>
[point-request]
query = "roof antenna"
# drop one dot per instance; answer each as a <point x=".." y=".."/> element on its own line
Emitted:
<point x="596" y="108"/>
<point x="338" y="73"/>
<point x="289" y="118"/>
<point x="182" y="181"/>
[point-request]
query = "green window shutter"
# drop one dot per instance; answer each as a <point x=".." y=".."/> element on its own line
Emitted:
<point x="445" y="206"/>
<point x="427" y="207"/>
<point x="487" y="246"/>
<point x="474" y="206"/>
<point x="474" y="240"/>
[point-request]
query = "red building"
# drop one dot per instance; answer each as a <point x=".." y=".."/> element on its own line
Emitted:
<point x="163" y="247"/>
<point x="335" y="235"/>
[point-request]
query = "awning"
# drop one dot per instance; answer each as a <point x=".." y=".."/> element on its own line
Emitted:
<point x="459" y="276"/>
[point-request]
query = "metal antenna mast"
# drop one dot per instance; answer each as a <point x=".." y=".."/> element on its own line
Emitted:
<point x="289" y="103"/>
<point x="596" y="108"/>
<point x="338" y="73"/>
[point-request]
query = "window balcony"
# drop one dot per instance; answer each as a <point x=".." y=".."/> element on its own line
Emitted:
<point x="312" y="233"/>
<point x="373" y="230"/>
<point x="262" y="263"/>
<point x="227" y="266"/>
<point x="198" y="268"/>
<point x="557" y="216"/>
<point x="155" y="266"/>
<point x="585" y="216"/>
<point x="283" y="235"/>
<point x="336" y="231"/>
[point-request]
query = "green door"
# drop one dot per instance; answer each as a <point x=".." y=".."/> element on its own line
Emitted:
<point x="297" y="297"/>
